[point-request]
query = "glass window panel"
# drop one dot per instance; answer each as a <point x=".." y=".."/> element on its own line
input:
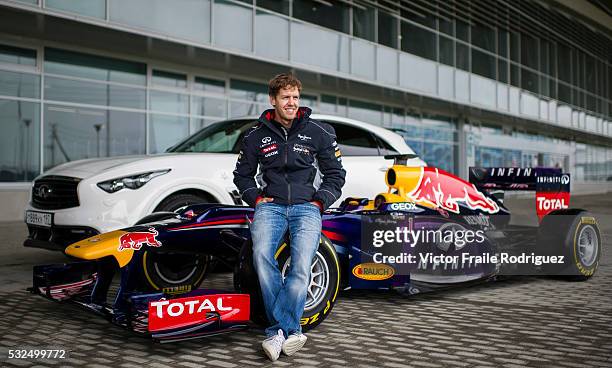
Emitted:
<point x="208" y="106"/>
<point x="483" y="64"/>
<point x="530" y="81"/>
<point x="19" y="84"/>
<point x="17" y="55"/>
<point x="188" y="19"/>
<point x="387" y="29"/>
<point x="209" y="85"/>
<point x="445" y="25"/>
<point x="94" y="67"/>
<point x="422" y="17"/>
<point x="166" y="131"/>
<point x="529" y="52"/>
<point x="280" y="6"/>
<point x="438" y="128"/>
<point x="29" y="1"/>
<point x="238" y="108"/>
<point x="590" y="69"/>
<point x="267" y="27"/>
<point x="502" y="42"/>
<point x="446" y="54"/>
<point x="169" y="102"/>
<point x="564" y="57"/>
<point x="79" y="133"/>
<point x="199" y="123"/>
<point x="92" y="8"/>
<point x="328" y="104"/>
<point x="364" y="22"/>
<point x="462" y="58"/>
<point x="354" y="141"/>
<point x="463" y="30"/>
<point x="308" y="100"/>
<point x="440" y="155"/>
<point x="249" y="91"/>
<point x="483" y="36"/>
<point x="19" y="141"/>
<point x="502" y="71"/>
<point x="515" y="77"/>
<point x="418" y="41"/>
<point x="334" y="15"/>
<point x="365" y="111"/>
<point x="163" y="78"/>
<point x="515" y="47"/>
<point x="91" y="93"/>
<point x="564" y="93"/>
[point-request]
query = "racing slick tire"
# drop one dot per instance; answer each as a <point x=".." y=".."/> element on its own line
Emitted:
<point x="322" y="291"/>
<point x="575" y="235"/>
<point x="170" y="272"/>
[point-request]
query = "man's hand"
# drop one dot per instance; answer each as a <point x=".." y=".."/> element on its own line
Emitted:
<point x="263" y="200"/>
<point x="318" y="204"/>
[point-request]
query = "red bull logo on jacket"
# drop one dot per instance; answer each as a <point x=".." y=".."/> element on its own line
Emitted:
<point x="135" y="240"/>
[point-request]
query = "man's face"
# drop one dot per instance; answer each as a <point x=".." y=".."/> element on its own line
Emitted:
<point x="286" y="104"/>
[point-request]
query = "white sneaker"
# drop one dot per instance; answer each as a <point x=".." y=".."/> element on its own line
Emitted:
<point x="273" y="345"/>
<point x="294" y="342"/>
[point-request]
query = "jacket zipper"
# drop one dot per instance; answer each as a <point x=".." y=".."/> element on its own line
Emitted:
<point x="286" y="159"/>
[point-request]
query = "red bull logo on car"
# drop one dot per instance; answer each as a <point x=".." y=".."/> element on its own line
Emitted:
<point x="135" y="240"/>
<point x="436" y="188"/>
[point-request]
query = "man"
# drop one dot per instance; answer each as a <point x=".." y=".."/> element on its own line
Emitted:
<point x="289" y="148"/>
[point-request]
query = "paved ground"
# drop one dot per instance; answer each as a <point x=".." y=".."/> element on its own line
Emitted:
<point x="521" y="322"/>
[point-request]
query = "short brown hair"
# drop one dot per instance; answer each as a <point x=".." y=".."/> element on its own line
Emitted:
<point x="282" y="81"/>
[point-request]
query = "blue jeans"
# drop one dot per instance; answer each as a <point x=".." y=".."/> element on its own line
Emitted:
<point x="284" y="300"/>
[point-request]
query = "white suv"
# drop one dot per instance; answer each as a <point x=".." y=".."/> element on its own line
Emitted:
<point x="82" y="198"/>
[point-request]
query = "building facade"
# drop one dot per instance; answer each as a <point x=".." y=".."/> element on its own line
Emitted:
<point x="467" y="83"/>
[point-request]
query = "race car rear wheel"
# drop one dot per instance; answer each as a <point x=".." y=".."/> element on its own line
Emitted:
<point x="322" y="289"/>
<point x="575" y="235"/>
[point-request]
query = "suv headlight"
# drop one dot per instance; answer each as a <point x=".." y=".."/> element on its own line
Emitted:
<point x="130" y="182"/>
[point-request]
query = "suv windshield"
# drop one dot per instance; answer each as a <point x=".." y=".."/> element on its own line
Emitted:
<point x="221" y="137"/>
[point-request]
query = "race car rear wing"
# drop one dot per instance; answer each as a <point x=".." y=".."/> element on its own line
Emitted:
<point x="552" y="185"/>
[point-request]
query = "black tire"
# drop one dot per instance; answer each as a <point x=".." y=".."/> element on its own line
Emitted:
<point x="575" y="235"/>
<point x="170" y="272"/>
<point x="176" y="201"/>
<point x="245" y="281"/>
<point x="173" y="272"/>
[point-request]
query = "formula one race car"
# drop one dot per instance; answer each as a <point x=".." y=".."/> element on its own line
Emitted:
<point x="430" y="230"/>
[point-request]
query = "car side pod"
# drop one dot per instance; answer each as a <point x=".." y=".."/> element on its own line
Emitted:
<point x="100" y="246"/>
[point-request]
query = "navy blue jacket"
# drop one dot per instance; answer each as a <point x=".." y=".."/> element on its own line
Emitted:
<point x="291" y="162"/>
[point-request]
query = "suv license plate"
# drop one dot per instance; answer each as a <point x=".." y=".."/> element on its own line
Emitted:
<point x="39" y="218"/>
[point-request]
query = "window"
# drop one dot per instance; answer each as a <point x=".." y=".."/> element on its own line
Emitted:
<point x="209" y="85"/>
<point x="446" y="52"/>
<point x="387" y="29"/>
<point x="94" y="67"/>
<point x="354" y="141"/>
<point x="279" y="6"/>
<point x="418" y="41"/>
<point x="221" y="137"/>
<point x="19" y="84"/>
<point x="483" y="64"/>
<point x="364" y="22"/>
<point x="17" y="55"/>
<point x="92" y="8"/>
<point x="483" y="37"/>
<point x="78" y="133"/>
<point x="168" y="79"/>
<point x="334" y="15"/>
<point x="20" y="140"/>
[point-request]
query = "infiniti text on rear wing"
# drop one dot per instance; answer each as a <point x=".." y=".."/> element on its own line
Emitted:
<point x="552" y="185"/>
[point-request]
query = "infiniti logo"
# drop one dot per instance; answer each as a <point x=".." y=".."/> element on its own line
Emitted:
<point x="266" y="140"/>
<point x="44" y="191"/>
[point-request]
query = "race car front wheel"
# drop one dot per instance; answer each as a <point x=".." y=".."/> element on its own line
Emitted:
<point x="575" y="235"/>
<point x="171" y="272"/>
<point x="174" y="272"/>
<point x="322" y="289"/>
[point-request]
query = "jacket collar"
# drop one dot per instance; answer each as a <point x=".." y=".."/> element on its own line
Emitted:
<point x="267" y="118"/>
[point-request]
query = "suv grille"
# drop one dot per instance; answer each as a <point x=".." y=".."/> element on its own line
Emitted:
<point x="55" y="192"/>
